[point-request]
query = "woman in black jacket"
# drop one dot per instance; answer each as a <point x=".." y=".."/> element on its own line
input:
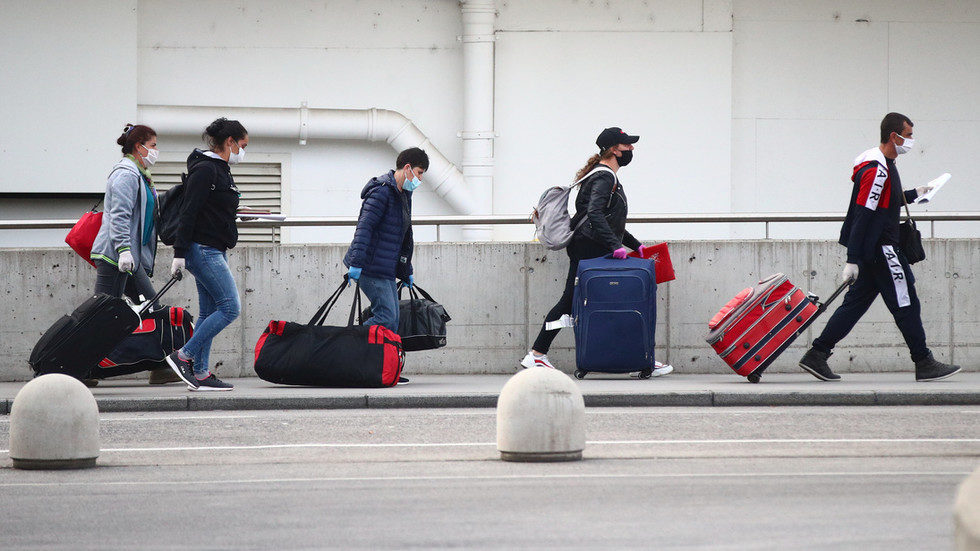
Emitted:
<point x="206" y="230"/>
<point x="602" y="199"/>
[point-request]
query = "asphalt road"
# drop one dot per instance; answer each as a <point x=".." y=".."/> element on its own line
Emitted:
<point x="663" y="478"/>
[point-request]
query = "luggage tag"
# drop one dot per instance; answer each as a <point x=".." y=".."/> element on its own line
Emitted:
<point x="564" y="321"/>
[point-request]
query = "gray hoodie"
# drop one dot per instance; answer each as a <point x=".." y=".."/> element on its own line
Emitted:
<point x="123" y="219"/>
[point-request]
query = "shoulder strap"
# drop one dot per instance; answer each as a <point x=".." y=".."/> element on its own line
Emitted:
<point x="906" y="203"/>
<point x="598" y="169"/>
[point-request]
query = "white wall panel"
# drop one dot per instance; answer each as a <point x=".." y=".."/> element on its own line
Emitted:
<point x="332" y="24"/>
<point x="68" y="84"/>
<point x="934" y="70"/>
<point x="806" y="165"/>
<point x="608" y="15"/>
<point x="548" y="120"/>
<point x="806" y="70"/>
<point x="851" y="10"/>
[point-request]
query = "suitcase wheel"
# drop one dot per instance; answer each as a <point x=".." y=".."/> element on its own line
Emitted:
<point x="646" y="374"/>
<point x="579" y="374"/>
<point x="753" y="377"/>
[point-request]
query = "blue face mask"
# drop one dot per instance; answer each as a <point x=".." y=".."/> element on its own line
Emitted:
<point x="410" y="185"/>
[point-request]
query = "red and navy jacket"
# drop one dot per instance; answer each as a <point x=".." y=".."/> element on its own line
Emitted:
<point x="875" y="208"/>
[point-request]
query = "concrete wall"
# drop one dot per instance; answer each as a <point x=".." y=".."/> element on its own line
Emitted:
<point x="498" y="294"/>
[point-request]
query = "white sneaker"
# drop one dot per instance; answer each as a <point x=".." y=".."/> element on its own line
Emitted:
<point x="661" y="369"/>
<point x="536" y="361"/>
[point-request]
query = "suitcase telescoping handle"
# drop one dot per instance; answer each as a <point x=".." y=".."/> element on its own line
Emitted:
<point x="823" y="305"/>
<point x="149" y="304"/>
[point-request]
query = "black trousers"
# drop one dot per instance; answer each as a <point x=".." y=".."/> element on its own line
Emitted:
<point x="109" y="280"/>
<point x="890" y="276"/>
<point x="581" y="248"/>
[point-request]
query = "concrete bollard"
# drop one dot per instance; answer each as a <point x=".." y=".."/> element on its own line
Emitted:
<point x="540" y="417"/>
<point x="54" y="424"/>
<point x="966" y="513"/>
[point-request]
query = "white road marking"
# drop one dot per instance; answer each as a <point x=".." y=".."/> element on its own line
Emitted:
<point x="590" y="443"/>
<point x="174" y="418"/>
<point x="915" y="474"/>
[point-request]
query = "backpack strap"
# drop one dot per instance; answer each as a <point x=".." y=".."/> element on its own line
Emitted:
<point x="598" y="168"/>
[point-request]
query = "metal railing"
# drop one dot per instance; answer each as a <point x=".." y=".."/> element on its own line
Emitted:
<point x="766" y="218"/>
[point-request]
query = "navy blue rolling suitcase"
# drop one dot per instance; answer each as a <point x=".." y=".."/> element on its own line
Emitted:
<point x="615" y="314"/>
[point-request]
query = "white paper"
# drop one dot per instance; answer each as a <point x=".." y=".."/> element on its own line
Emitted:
<point x="936" y="185"/>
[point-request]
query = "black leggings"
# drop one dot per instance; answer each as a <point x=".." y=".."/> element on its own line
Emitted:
<point x="579" y="249"/>
<point x="109" y="280"/>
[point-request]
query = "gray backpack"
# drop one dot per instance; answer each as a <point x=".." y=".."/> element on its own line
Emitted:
<point x="552" y="224"/>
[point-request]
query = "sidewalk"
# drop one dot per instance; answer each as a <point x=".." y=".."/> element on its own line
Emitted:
<point x="444" y="391"/>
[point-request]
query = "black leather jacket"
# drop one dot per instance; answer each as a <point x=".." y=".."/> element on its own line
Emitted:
<point x="603" y="200"/>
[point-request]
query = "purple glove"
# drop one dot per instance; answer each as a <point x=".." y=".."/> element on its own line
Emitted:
<point x="621" y="253"/>
<point x="642" y="251"/>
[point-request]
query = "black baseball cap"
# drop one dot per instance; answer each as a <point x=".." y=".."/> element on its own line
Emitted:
<point x="614" y="135"/>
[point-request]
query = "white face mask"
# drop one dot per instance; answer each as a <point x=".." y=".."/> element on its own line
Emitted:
<point x="151" y="156"/>
<point x="905" y="147"/>
<point x="236" y="158"/>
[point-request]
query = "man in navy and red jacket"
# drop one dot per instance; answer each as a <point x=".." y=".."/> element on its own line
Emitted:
<point x="875" y="262"/>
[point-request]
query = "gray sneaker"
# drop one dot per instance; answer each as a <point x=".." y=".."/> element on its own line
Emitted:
<point x="211" y="383"/>
<point x="930" y="369"/>
<point x="815" y="363"/>
<point x="183" y="368"/>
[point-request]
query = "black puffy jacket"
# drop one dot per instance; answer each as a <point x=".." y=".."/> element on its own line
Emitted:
<point x="603" y="200"/>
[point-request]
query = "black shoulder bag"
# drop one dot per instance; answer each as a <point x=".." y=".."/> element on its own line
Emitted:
<point x="909" y="237"/>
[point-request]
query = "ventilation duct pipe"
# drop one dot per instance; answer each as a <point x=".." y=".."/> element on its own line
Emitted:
<point x="321" y="124"/>
<point x="479" y="18"/>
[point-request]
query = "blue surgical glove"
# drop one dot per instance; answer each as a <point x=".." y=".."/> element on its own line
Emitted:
<point x="411" y="281"/>
<point x="354" y="273"/>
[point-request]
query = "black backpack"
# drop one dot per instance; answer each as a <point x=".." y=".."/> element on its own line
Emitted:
<point x="168" y="212"/>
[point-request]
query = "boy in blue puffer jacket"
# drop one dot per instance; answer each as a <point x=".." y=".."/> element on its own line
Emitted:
<point x="382" y="247"/>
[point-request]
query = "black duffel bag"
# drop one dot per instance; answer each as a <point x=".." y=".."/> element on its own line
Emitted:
<point x="421" y="320"/>
<point x="159" y="334"/>
<point x="311" y="354"/>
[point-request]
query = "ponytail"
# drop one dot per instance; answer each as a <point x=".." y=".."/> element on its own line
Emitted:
<point x="592" y="162"/>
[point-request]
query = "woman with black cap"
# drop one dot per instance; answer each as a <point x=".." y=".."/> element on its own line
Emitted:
<point x="602" y="199"/>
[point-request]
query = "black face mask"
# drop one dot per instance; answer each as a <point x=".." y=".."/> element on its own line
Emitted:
<point x="625" y="158"/>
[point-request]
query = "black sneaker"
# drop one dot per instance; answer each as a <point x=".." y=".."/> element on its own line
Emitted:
<point x="815" y="362"/>
<point x="931" y="369"/>
<point x="403" y="380"/>
<point x="211" y="383"/>
<point x="183" y="368"/>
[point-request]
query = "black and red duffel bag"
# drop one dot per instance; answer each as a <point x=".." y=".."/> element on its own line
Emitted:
<point x="159" y="334"/>
<point x="311" y="354"/>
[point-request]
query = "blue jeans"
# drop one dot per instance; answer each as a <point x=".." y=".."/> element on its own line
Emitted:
<point x="217" y="298"/>
<point x="383" y="294"/>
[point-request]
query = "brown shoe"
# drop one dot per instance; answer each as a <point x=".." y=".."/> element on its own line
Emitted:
<point x="163" y="376"/>
<point x="91" y="383"/>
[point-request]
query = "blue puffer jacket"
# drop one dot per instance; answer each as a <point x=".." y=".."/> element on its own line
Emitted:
<point x="383" y="243"/>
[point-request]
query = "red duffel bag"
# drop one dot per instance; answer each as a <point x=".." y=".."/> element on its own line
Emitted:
<point x="311" y="354"/>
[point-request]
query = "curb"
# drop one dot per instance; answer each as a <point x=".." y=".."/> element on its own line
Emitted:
<point x="485" y="400"/>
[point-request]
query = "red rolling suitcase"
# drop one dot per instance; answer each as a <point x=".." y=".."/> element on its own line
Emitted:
<point x="754" y="328"/>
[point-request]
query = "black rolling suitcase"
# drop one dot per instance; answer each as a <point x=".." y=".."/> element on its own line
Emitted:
<point x="76" y="343"/>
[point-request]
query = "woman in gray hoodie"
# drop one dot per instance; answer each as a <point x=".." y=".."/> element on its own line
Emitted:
<point x="125" y="248"/>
